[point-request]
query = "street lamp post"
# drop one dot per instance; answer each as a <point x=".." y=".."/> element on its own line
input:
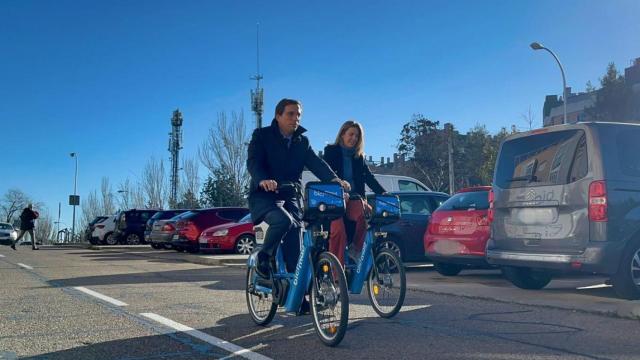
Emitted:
<point x="538" y="46"/>
<point x="75" y="184"/>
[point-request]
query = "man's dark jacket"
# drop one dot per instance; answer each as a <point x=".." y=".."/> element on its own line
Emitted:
<point x="271" y="158"/>
<point x="361" y="173"/>
<point x="27" y="218"/>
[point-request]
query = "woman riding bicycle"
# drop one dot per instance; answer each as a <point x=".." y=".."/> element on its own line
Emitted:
<point x="346" y="159"/>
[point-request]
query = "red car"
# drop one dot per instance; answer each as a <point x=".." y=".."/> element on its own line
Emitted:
<point x="458" y="231"/>
<point x="189" y="227"/>
<point x="238" y="237"/>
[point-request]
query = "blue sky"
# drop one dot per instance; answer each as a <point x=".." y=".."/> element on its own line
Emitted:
<point x="102" y="78"/>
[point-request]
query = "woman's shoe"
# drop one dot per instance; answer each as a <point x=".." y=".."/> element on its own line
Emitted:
<point x="13" y="246"/>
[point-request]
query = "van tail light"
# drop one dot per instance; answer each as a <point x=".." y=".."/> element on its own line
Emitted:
<point x="491" y="211"/>
<point x="598" y="201"/>
<point x="168" y="227"/>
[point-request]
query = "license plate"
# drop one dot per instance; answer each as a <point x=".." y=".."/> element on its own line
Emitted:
<point x="176" y="237"/>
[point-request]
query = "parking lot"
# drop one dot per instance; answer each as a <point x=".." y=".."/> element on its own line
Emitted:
<point x="590" y="294"/>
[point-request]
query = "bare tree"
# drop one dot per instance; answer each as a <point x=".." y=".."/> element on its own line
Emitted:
<point x="108" y="203"/>
<point x="154" y="183"/>
<point x="13" y="201"/>
<point x="44" y="230"/>
<point x="137" y="197"/>
<point x="124" y="190"/>
<point x="528" y="118"/>
<point x="91" y="208"/>
<point x="190" y="182"/>
<point x="226" y="147"/>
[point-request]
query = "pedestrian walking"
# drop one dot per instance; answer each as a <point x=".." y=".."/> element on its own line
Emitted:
<point x="27" y="224"/>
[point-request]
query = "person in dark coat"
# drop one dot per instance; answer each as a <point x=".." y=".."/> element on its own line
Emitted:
<point x="279" y="153"/>
<point x="27" y="224"/>
<point x="346" y="158"/>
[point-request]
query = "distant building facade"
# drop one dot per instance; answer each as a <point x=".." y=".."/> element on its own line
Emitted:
<point x="578" y="103"/>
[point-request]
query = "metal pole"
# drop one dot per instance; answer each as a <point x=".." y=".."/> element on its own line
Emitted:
<point x="451" y="173"/>
<point x="58" y="227"/>
<point x="564" y="85"/>
<point x="538" y="46"/>
<point x="75" y="183"/>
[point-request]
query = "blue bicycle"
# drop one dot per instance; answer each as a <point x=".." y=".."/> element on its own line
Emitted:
<point x="318" y="272"/>
<point x="380" y="267"/>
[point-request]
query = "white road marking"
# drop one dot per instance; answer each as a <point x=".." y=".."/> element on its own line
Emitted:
<point x="235" y="350"/>
<point x="599" y="286"/>
<point x="270" y="328"/>
<point x="25" y="266"/>
<point x="1" y="255"/>
<point x="100" y="296"/>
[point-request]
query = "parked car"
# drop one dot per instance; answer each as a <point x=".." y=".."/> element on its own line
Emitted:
<point x="405" y="236"/>
<point x="160" y="215"/>
<point x="7" y="234"/>
<point x="103" y="231"/>
<point x="90" y="227"/>
<point x="163" y="230"/>
<point x="567" y="198"/>
<point x="389" y="182"/>
<point x="238" y="237"/>
<point x="189" y="228"/>
<point x="130" y="225"/>
<point x="458" y="231"/>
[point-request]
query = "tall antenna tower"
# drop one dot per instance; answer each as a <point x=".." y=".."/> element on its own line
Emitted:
<point x="175" y="145"/>
<point x="257" y="94"/>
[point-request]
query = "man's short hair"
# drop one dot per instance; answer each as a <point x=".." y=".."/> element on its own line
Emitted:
<point x="283" y="104"/>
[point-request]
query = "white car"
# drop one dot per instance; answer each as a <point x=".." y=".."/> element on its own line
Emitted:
<point x="7" y="233"/>
<point x="103" y="231"/>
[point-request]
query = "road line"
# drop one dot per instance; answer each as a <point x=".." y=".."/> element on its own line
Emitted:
<point x="223" y="344"/>
<point x="25" y="266"/>
<point x="100" y="296"/>
<point x="599" y="286"/>
<point x="1" y="255"/>
<point x="270" y="328"/>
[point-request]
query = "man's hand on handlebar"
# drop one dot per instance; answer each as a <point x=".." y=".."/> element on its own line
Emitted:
<point x="269" y="185"/>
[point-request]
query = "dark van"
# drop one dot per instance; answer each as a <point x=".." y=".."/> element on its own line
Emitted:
<point x="567" y="198"/>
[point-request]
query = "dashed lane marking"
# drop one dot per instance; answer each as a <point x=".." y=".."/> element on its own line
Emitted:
<point x="25" y="266"/>
<point x="100" y="296"/>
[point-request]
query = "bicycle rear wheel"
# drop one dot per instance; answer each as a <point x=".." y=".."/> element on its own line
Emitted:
<point x="387" y="284"/>
<point x="329" y="299"/>
<point x="260" y="304"/>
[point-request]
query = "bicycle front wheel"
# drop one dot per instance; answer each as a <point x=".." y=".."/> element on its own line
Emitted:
<point x="260" y="304"/>
<point x="387" y="283"/>
<point x="329" y="299"/>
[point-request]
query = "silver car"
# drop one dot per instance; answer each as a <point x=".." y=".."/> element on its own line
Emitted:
<point x="162" y="231"/>
<point x="7" y="234"/>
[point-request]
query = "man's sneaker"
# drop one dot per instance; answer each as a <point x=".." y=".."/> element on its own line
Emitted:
<point x="13" y="246"/>
<point x="35" y="248"/>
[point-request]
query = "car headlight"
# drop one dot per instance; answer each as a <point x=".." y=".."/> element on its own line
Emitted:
<point x="223" y="232"/>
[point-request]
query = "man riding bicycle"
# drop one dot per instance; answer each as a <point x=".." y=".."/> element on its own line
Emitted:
<point x="279" y="153"/>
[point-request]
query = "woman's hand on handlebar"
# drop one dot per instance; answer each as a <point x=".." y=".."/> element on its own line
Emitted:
<point x="269" y="185"/>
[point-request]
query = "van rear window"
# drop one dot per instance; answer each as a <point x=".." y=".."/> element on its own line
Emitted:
<point x="629" y="152"/>
<point x="553" y="158"/>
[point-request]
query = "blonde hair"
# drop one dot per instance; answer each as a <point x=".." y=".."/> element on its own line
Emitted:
<point x="359" y="147"/>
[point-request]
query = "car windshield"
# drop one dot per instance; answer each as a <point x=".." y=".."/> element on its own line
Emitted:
<point x="6" y="227"/>
<point x="245" y="219"/>
<point x="476" y="200"/>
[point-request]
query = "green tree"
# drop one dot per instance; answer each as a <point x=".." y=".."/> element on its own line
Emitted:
<point x="219" y="190"/>
<point x="189" y="200"/>
<point x="614" y="100"/>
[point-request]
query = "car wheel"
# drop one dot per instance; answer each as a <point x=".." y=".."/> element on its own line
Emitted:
<point x="110" y="239"/>
<point x="526" y="278"/>
<point x="178" y="248"/>
<point x="393" y="246"/>
<point x="156" y="246"/>
<point x="447" y="269"/>
<point x="167" y="246"/>
<point x="626" y="281"/>
<point x="133" y="239"/>
<point x="245" y="245"/>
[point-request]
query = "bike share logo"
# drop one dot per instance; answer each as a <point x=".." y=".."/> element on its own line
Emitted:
<point x="361" y="261"/>
<point x="299" y="265"/>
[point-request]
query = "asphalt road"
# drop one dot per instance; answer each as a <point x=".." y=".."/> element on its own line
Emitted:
<point x="52" y="306"/>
